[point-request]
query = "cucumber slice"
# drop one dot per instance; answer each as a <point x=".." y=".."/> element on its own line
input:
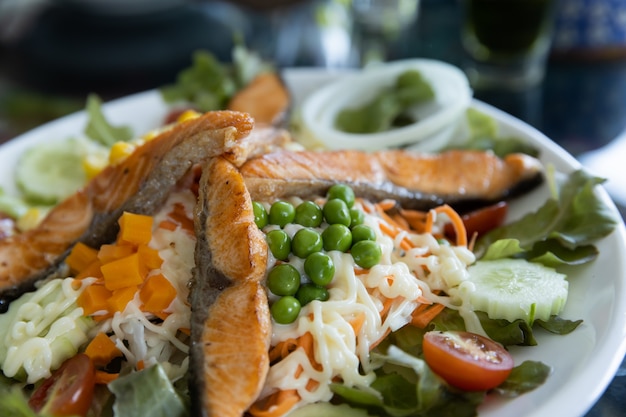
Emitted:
<point x="49" y="172"/>
<point x="514" y="289"/>
<point x="328" y="410"/>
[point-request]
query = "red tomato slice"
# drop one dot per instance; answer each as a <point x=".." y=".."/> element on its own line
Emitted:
<point x="466" y="360"/>
<point x="482" y="220"/>
<point x="69" y="391"/>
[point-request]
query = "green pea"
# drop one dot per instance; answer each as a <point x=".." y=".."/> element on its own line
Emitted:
<point x="310" y="292"/>
<point x="283" y="279"/>
<point x="366" y="253"/>
<point x="260" y="214"/>
<point x="342" y="192"/>
<point x="279" y="244"/>
<point x="336" y="211"/>
<point x="286" y="309"/>
<point x="357" y="216"/>
<point x="320" y="268"/>
<point x="362" y="232"/>
<point x="337" y="237"/>
<point x="282" y="213"/>
<point x="309" y="214"/>
<point x="305" y="242"/>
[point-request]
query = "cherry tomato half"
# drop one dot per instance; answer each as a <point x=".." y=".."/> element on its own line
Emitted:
<point x="69" y="391"/>
<point x="482" y="220"/>
<point x="466" y="360"/>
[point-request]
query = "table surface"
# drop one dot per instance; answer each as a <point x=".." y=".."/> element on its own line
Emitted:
<point x="581" y="104"/>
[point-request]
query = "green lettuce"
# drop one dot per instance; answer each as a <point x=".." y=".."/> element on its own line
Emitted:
<point x="561" y="232"/>
<point x="147" y="393"/>
<point x="99" y="129"/>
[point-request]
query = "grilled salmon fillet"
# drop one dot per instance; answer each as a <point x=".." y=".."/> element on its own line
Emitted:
<point x="231" y="326"/>
<point x="139" y="184"/>
<point x="463" y="179"/>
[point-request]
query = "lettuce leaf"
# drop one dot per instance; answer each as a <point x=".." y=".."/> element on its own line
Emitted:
<point x="561" y="232"/>
<point x="405" y="386"/>
<point x="99" y="129"/>
<point x="147" y="393"/>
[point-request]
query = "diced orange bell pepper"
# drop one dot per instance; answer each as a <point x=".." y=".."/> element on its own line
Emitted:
<point x="157" y="293"/>
<point x="124" y="272"/>
<point x="135" y="228"/>
<point x="80" y="257"/>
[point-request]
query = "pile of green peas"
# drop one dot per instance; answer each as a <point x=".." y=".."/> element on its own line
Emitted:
<point x="344" y="232"/>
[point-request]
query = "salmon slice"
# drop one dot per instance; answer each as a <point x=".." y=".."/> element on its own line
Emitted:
<point x="140" y="184"/>
<point x="265" y="98"/>
<point x="463" y="179"/>
<point x="233" y="345"/>
<point x="230" y="324"/>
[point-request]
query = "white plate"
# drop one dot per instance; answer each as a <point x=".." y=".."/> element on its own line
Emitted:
<point x="583" y="362"/>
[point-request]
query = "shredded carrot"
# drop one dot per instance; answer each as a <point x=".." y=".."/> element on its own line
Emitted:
<point x="357" y="323"/>
<point x="425" y="313"/>
<point x="276" y="404"/>
<point x="386" y="204"/>
<point x="168" y="225"/>
<point x="103" y="378"/>
<point x="80" y="257"/>
<point x="102" y="350"/>
<point x="282" y="349"/>
<point x="141" y="365"/>
<point x="179" y="216"/>
<point x="457" y="222"/>
<point x="387" y="303"/>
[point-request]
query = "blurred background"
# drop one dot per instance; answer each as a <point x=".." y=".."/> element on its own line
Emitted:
<point x="55" y="52"/>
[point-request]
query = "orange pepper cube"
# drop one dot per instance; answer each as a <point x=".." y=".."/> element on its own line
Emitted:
<point x="124" y="272"/>
<point x="149" y="257"/>
<point x="120" y="298"/>
<point x="109" y="253"/>
<point x="93" y="299"/>
<point x="80" y="257"/>
<point x="157" y="294"/>
<point x="91" y="271"/>
<point x="135" y="228"/>
<point x="102" y="350"/>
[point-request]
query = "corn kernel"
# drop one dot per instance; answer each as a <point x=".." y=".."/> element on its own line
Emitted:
<point x="150" y="135"/>
<point x="187" y="115"/>
<point x="30" y="219"/>
<point x="93" y="164"/>
<point x="120" y="151"/>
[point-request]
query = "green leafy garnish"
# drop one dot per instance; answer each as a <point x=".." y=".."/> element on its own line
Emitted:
<point x="484" y="136"/>
<point x="99" y="129"/>
<point x="389" y="108"/>
<point x="147" y="393"/>
<point x="525" y="377"/>
<point x="561" y="232"/>
<point x="209" y="84"/>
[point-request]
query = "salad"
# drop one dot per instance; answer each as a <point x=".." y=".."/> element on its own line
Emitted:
<point x="131" y="351"/>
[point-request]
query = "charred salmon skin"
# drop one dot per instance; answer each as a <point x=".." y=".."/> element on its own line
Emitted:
<point x="139" y="184"/>
<point x="230" y="325"/>
<point x="462" y="179"/>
